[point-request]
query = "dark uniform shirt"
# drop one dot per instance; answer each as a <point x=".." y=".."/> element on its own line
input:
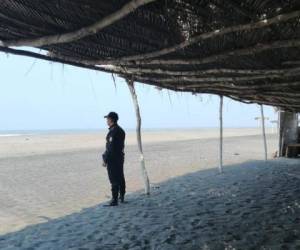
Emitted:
<point x="114" y="144"/>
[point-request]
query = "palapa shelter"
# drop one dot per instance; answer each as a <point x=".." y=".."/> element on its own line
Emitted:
<point x="246" y="50"/>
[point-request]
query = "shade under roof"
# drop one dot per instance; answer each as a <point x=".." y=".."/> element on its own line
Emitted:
<point x="247" y="50"/>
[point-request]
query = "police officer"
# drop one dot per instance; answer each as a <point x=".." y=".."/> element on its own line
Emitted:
<point x="113" y="158"/>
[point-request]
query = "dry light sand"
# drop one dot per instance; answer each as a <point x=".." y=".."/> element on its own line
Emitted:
<point x="52" y="189"/>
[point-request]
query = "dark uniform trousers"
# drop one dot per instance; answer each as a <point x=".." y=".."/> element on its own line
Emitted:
<point x="115" y="171"/>
<point x="114" y="158"/>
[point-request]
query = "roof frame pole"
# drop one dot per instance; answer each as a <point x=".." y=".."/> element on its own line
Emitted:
<point x="216" y="33"/>
<point x="280" y="134"/>
<point x="264" y="131"/>
<point x="221" y="135"/>
<point x="131" y="87"/>
<point x="83" y="32"/>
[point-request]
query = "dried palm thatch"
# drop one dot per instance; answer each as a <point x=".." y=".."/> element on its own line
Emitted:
<point x="246" y="50"/>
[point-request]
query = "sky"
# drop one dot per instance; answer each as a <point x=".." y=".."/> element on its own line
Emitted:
<point x="39" y="95"/>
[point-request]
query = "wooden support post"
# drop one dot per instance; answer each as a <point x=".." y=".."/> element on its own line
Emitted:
<point x="264" y="131"/>
<point x="221" y="135"/>
<point x="288" y="130"/>
<point x="130" y="84"/>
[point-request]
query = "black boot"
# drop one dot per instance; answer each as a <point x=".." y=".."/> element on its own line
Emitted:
<point x="122" y="198"/>
<point x="112" y="203"/>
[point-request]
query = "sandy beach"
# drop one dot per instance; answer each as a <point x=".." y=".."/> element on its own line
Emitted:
<point x="53" y="188"/>
<point x="45" y="143"/>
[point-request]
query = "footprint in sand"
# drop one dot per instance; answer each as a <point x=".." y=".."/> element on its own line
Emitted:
<point x="145" y="215"/>
<point x="195" y="222"/>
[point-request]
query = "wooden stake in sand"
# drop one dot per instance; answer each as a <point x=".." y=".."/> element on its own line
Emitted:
<point x="221" y="136"/>
<point x="264" y="131"/>
<point x="130" y="84"/>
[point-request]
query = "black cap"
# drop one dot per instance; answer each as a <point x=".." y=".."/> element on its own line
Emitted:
<point x="112" y="115"/>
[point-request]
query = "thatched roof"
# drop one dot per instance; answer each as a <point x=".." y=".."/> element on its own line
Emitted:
<point x="246" y="50"/>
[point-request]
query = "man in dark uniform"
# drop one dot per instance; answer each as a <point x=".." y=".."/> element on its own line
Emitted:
<point x="113" y="158"/>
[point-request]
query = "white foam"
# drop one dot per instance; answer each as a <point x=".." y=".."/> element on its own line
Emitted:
<point x="9" y="135"/>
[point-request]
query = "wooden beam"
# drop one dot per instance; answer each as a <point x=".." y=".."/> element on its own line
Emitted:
<point x="54" y="58"/>
<point x="81" y="33"/>
<point x="250" y="101"/>
<point x="213" y="79"/>
<point x="264" y="131"/>
<point x="187" y="87"/>
<point x="158" y="71"/>
<point x="130" y="84"/>
<point x="257" y="94"/>
<point x="253" y="89"/>
<point x="244" y="27"/>
<point x="125" y="71"/>
<point x="247" y="87"/>
<point x="209" y="59"/>
<point x="291" y="63"/>
<point x="262" y="100"/>
<point x="108" y="65"/>
<point x="48" y="58"/>
<point x="240" y="98"/>
<point x="221" y="136"/>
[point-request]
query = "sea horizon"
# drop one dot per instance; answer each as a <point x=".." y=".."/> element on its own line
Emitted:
<point x="8" y="133"/>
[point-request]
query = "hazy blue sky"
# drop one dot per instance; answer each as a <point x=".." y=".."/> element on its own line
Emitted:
<point x="40" y="95"/>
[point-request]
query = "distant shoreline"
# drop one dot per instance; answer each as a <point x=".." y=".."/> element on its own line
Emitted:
<point x="15" y="133"/>
<point x="45" y="142"/>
